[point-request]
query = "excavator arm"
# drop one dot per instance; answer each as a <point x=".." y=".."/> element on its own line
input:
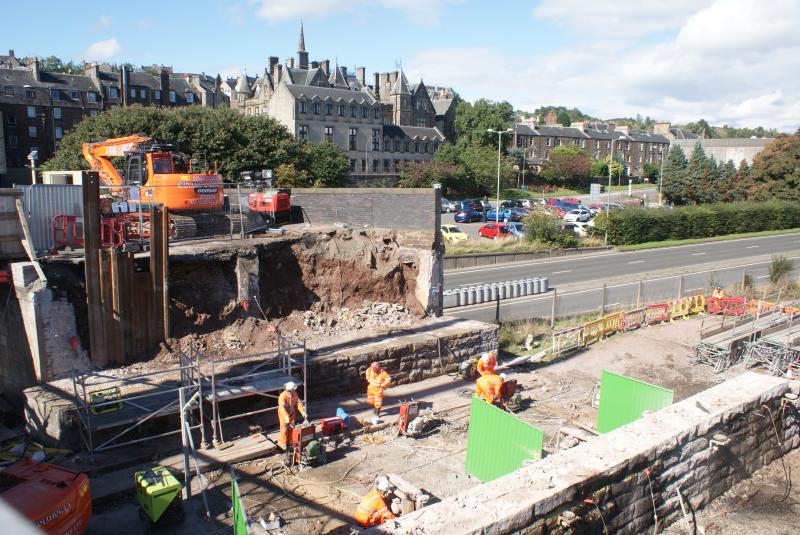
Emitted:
<point x="98" y="154"/>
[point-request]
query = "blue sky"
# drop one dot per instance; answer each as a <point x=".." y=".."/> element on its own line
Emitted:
<point x="729" y="61"/>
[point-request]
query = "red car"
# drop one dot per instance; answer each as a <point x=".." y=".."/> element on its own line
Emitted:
<point x="571" y="200"/>
<point x="494" y="231"/>
<point x="551" y="201"/>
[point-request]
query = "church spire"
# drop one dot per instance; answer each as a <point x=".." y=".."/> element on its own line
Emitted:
<point x="301" y="47"/>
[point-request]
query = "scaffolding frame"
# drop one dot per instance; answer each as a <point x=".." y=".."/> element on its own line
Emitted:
<point x="201" y="382"/>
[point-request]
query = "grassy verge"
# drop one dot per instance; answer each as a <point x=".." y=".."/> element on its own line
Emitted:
<point x="673" y="243"/>
<point x="564" y="192"/>
<point x="508" y="246"/>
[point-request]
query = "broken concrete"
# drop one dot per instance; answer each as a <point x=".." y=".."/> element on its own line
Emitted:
<point x="669" y="451"/>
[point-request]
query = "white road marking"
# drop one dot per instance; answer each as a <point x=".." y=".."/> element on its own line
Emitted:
<point x="698" y="254"/>
<point x="559" y="272"/>
<point x="637" y="262"/>
<point x="691" y="290"/>
<point x="752" y="247"/>
<point x="762" y="277"/>
<point x="613" y="304"/>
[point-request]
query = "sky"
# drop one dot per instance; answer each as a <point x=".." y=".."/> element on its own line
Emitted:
<point x="734" y="62"/>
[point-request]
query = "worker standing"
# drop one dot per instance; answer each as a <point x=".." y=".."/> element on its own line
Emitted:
<point x="373" y="509"/>
<point x="487" y="363"/>
<point x="289" y="405"/>
<point x="718" y="293"/>
<point x="489" y="387"/>
<point x="377" y="381"/>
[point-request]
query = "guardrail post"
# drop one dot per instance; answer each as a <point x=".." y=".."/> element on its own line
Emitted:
<point x="744" y="278"/>
<point x="553" y="309"/>
<point x="603" y="305"/>
<point x="639" y="294"/>
<point x="680" y="287"/>
<point x="497" y="309"/>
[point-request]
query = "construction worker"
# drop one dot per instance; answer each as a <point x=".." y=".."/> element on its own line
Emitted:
<point x="377" y="381"/>
<point x="487" y="363"/>
<point x="718" y="293"/>
<point x="489" y="387"/>
<point x="373" y="509"/>
<point x="289" y="405"/>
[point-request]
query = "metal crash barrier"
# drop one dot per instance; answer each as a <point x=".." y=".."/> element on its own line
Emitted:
<point x="489" y="293"/>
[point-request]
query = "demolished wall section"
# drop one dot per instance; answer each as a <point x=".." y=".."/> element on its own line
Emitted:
<point x="699" y="447"/>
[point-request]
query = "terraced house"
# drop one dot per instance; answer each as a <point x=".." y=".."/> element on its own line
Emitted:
<point x="632" y="148"/>
<point x="379" y="124"/>
<point x="38" y="107"/>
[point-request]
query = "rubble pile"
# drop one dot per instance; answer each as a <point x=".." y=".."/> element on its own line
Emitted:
<point x="369" y="316"/>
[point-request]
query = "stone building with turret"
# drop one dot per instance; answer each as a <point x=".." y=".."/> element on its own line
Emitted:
<point x="379" y="123"/>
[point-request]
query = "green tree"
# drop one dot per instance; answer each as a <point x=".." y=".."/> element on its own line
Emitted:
<point x="426" y="174"/>
<point x="288" y="176"/>
<point x="775" y="173"/>
<point x="473" y="120"/>
<point x="567" y="164"/>
<point x="673" y="181"/>
<point x="327" y="165"/>
<point x="480" y="168"/>
<point x="650" y="171"/>
<point x="236" y="142"/>
<point x="599" y="168"/>
<point x="697" y="175"/>
<point x="728" y="188"/>
<point x="563" y="118"/>
<point x="55" y="64"/>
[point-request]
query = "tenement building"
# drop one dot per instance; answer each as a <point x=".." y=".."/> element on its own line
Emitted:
<point x="630" y="147"/>
<point x="379" y="123"/>
<point x="38" y="107"/>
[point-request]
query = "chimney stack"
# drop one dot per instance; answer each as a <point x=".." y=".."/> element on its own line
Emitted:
<point x="376" y="80"/>
<point x="125" y="83"/>
<point x="164" y="75"/>
<point x="273" y="60"/>
<point x="35" y="69"/>
<point x="315" y="65"/>
<point x="343" y="70"/>
<point x="326" y="66"/>
<point x="361" y="74"/>
<point x="290" y="63"/>
<point x="277" y="72"/>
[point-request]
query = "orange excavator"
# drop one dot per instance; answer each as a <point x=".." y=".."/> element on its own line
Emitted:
<point x="157" y="173"/>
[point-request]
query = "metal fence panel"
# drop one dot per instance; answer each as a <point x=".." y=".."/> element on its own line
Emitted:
<point x="44" y="201"/>
<point x="623" y="400"/>
<point x="499" y="443"/>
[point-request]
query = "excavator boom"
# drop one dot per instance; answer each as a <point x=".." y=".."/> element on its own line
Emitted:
<point x="98" y="154"/>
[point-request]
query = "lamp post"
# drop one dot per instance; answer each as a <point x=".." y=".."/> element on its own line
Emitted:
<point x="499" y="143"/>
<point x="661" y="177"/>
<point x="52" y="113"/>
<point x="608" y="203"/>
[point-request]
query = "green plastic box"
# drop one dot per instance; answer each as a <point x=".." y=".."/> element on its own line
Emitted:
<point x="156" y="488"/>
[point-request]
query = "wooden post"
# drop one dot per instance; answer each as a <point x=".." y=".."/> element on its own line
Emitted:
<point x="603" y="305"/>
<point x="680" y="287"/>
<point x="165" y="269"/>
<point x="91" y="241"/>
<point x="639" y="294"/>
<point x="497" y="308"/>
<point x="553" y="309"/>
<point x="744" y="278"/>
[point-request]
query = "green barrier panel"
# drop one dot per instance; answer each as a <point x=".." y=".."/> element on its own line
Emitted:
<point x="498" y="442"/>
<point x="622" y="400"/>
<point x="241" y="526"/>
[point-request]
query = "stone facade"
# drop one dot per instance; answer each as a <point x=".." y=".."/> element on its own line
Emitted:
<point x="379" y="125"/>
<point x="699" y="447"/>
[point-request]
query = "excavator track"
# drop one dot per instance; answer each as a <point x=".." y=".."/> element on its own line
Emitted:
<point x="182" y="227"/>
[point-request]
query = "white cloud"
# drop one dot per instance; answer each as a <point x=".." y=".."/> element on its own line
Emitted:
<point x="104" y="21"/>
<point x="103" y="50"/>
<point x="733" y="62"/>
<point x="280" y="10"/>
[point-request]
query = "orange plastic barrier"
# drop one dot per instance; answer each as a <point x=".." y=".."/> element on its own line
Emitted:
<point x="726" y="305"/>
<point x="656" y="313"/>
<point x="756" y="307"/>
<point x="791" y="311"/>
<point x="595" y="330"/>
<point x="633" y="319"/>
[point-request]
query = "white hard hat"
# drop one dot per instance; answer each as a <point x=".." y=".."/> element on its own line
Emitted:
<point x="383" y="484"/>
<point x="485" y="357"/>
<point x="290" y="386"/>
<point x="503" y="376"/>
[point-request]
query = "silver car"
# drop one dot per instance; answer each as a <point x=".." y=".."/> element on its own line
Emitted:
<point x="448" y="206"/>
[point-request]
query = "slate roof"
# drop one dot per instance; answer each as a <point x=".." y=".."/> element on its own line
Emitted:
<point x="336" y="79"/>
<point x="441" y="106"/>
<point x="413" y="132"/>
<point x="592" y="132"/>
<point x="682" y="133"/>
<point x="400" y="86"/>
<point x="311" y="91"/>
<point x="243" y="85"/>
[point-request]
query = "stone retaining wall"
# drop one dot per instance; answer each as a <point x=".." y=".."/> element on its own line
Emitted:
<point x="670" y="450"/>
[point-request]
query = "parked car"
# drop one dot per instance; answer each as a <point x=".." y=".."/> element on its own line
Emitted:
<point x="494" y="231"/>
<point x="566" y="206"/>
<point x="448" y="206"/>
<point x="468" y="216"/>
<point x="572" y="200"/>
<point x="509" y="214"/>
<point x="578" y="214"/>
<point x="470" y="204"/>
<point x="513" y="203"/>
<point x="531" y="203"/>
<point x="453" y="234"/>
<point x="581" y="229"/>
<point x="516" y="230"/>
<point x="550" y="201"/>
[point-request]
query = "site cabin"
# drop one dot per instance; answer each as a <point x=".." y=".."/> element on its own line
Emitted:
<point x="55" y="500"/>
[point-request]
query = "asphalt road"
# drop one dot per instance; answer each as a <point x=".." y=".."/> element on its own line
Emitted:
<point x="667" y="274"/>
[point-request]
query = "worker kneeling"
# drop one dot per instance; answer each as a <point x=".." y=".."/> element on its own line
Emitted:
<point x="487" y="364"/>
<point x="377" y="381"/>
<point x="373" y="509"/>
<point x="490" y="388"/>
<point x="289" y="405"/>
<point x="718" y="293"/>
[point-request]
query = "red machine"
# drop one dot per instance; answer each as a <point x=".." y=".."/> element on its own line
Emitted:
<point x="55" y="500"/>
<point x="271" y="205"/>
<point x="332" y="426"/>
<point x="408" y="411"/>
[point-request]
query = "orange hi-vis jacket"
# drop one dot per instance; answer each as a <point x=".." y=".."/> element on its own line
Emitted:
<point x="488" y="387"/>
<point x="376" y="383"/>
<point x="487" y="368"/>
<point x="288" y="405"/>
<point x="718" y="294"/>
<point x="372" y="510"/>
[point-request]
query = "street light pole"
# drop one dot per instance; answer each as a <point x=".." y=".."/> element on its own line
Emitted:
<point x="661" y="177"/>
<point x="608" y="203"/>
<point x="499" y="143"/>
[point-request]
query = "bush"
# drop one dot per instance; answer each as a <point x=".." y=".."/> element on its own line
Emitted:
<point x="547" y="230"/>
<point x="640" y="225"/>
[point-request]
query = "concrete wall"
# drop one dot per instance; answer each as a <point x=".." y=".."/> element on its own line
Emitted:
<point x="401" y="208"/>
<point x="674" y="445"/>
<point x="16" y="366"/>
<point x="725" y="149"/>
